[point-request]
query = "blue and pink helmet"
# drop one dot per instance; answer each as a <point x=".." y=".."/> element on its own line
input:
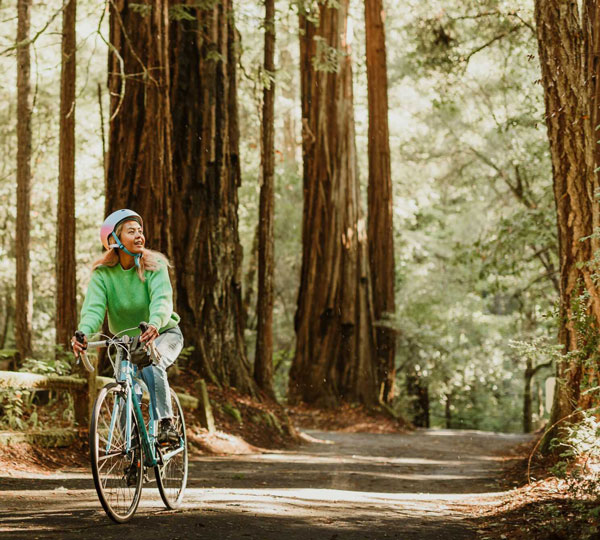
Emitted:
<point x="107" y="231"/>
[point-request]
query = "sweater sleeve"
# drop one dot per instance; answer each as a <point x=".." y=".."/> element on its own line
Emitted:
<point x="94" y="305"/>
<point x="161" y="297"/>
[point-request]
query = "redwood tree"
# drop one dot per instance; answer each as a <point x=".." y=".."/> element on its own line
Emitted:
<point x="24" y="291"/>
<point x="380" y="210"/>
<point x="263" y="359"/>
<point x="139" y="171"/>
<point x="335" y="355"/>
<point x="563" y="44"/>
<point x="66" y="300"/>
<point x="207" y="250"/>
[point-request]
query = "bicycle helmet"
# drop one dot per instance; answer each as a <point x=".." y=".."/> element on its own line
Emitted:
<point x="107" y="231"/>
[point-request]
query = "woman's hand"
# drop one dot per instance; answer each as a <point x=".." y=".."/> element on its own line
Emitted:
<point x="149" y="335"/>
<point x="78" y="347"/>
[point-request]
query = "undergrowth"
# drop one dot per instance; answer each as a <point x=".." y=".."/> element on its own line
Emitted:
<point x="37" y="409"/>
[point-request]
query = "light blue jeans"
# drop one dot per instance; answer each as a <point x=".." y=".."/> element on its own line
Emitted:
<point x="169" y="345"/>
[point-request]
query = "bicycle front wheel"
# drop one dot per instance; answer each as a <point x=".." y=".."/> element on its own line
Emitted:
<point x="117" y="472"/>
<point x="171" y="474"/>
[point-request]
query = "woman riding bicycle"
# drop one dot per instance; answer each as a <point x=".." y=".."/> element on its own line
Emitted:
<point x="132" y="283"/>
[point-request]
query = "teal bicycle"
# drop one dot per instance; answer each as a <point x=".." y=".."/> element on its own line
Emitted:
<point x="123" y="444"/>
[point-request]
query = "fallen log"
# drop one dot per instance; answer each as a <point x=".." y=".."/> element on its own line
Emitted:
<point x="50" y="438"/>
<point x="17" y="380"/>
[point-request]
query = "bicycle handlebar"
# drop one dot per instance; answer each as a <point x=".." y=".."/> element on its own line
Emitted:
<point x="80" y="336"/>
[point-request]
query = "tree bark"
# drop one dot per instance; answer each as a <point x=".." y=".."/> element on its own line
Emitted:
<point x="139" y="172"/>
<point x="207" y="253"/>
<point x="565" y="77"/>
<point x="263" y="359"/>
<point x="24" y="290"/>
<point x="66" y="288"/>
<point x="380" y="196"/>
<point x="335" y="352"/>
<point x="591" y="19"/>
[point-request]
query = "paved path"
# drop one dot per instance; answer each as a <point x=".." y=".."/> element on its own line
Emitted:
<point x="422" y="485"/>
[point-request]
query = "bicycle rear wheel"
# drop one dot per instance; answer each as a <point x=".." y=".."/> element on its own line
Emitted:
<point x="171" y="475"/>
<point x="117" y="472"/>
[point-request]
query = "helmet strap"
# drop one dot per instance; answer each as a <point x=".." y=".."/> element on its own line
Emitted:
<point x="136" y="256"/>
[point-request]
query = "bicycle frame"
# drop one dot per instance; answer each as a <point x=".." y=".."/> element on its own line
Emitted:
<point x="125" y="378"/>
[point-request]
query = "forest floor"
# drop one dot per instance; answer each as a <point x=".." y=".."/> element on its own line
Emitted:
<point x="424" y="484"/>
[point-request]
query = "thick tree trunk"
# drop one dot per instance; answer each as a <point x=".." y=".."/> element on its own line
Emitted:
<point x="380" y="211"/>
<point x="206" y="166"/>
<point x="66" y="288"/>
<point x="24" y="291"/>
<point x="139" y="155"/>
<point x="448" y="411"/>
<point x="335" y="353"/>
<point x="263" y="359"/>
<point x="562" y="48"/>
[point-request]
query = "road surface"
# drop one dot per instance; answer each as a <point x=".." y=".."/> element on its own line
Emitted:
<point x="423" y="485"/>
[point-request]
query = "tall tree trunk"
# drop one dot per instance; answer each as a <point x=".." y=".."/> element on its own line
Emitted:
<point x="562" y="47"/>
<point x="527" y="409"/>
<point x="207" y="250"/>
<point x="263" y="359"/>
<point x="289" y="142"/>
<point x="335" y="354"/>
<point x="8" y="314"/>
<point x="66" y="288"/>
<point x="591" y="18"/>
<point x="139" y="155"/>
<point x="418" y="390"/>
<point x="448" y="410"/>
<point x="250" y="280"/>
<point x="380" y="211"/>
<point x="24" y="292"/>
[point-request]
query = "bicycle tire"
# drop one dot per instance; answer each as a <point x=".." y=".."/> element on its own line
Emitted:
<point x="111" y="467"/>
<point x="171" y="477"/>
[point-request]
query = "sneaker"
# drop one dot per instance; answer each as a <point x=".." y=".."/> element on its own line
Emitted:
<point x="167" y="434"/>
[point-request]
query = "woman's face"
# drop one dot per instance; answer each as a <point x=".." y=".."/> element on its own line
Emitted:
<point x="132" y="236"/>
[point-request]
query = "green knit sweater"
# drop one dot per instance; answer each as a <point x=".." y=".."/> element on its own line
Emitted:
<point x="128" y="300"/>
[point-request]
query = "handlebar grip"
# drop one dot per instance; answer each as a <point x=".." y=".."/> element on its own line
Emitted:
<point x="80" y="336"/>
<point x="143" y="326"/>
